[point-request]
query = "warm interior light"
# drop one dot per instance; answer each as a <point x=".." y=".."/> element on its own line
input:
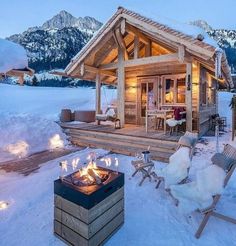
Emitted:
<point x="3" y="205"/>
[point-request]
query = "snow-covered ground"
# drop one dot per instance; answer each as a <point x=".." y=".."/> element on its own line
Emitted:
<point x="28" y="115"/>
<point x="150" y="215"/>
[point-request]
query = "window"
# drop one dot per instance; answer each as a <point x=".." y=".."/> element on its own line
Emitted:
<point x="169" y="91"/>
<point x="174" y="90"/>
<point x="181" y="90"/>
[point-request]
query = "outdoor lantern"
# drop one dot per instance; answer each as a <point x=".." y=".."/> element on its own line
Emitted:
<point x="3" y="205"/>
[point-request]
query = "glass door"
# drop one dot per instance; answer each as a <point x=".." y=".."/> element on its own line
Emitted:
<point x="147" y="97"/>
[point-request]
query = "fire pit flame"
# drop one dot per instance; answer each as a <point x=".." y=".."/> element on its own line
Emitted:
<point x="90" y="175"/>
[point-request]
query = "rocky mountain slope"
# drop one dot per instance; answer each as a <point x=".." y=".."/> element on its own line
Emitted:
<point x="53" y="44"/>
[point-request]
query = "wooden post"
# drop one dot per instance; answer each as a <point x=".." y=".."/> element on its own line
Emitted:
<point x="136" y="47"/>
<point x="121" y="87"/>
<point x="98" y="93"/>
<point x="21" y="80"/>
<point x="233" y="106"/>
<point x="188" y="95"/>
<point x="148" y="49"/>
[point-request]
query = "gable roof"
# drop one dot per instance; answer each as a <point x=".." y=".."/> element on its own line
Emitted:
<point x="174" y="33"/>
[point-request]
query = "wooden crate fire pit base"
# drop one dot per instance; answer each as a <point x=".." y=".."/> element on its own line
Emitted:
<point x="76" y="225"/>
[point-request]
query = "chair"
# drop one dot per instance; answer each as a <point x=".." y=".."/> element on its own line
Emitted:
<point x="227" y="161"/>
<point x="188" y="140"/>
<point x="109" y="115"/>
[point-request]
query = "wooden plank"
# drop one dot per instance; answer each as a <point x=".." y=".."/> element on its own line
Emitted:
<point x="88" y="230"/>
<point x="75" y="239"/>
<point x="87" y="216"/>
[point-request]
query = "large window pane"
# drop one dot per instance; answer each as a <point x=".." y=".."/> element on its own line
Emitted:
<point x="181" y="90"/>
<point x="169" y="92"/>
<point x="143" y="99"/>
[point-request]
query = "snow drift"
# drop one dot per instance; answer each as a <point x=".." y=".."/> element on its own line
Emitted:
<point x="12" y="56"/>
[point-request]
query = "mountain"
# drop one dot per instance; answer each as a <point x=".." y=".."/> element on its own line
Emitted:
<point x="226" y="39"/>
<point x="53" y="44"/>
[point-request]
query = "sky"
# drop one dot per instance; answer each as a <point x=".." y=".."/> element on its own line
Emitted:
<point x="17" y="15"/>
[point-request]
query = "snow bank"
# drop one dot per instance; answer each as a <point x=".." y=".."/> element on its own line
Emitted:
<point x="198" y="194"/>
<point x="12" y="56"/>
<point x="28" y="115"/>
<point x="22" y="135"/>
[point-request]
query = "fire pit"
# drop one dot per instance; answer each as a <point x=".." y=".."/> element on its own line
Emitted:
<point x="88" y="205"/>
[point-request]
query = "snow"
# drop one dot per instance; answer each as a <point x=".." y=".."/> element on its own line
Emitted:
<point x="12" y="56"/>
<point x="28" y="115"/>
<point x="182" y="27"/>
<point x="150" y="215"/>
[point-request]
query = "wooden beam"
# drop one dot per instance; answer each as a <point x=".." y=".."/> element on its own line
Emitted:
<point x="121" y="43"/>
<point x="21" y="80"/>
<point x="148" y="49"/>
<point x="121" y="87"/>
<point x="188" y="97"/>
<point x="181" y="53"/>
<point x="123" y="27"/>
<point x="168" y="58"/>
<point x="135" y="32"/>
<point x="98" y="93"/>
<point x="136" y="47"/>
<point x="96" y="70"/>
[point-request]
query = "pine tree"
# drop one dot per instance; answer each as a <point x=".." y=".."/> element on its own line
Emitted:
<point x="34" y="81"/>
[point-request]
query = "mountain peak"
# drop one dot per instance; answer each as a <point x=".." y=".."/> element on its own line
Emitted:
<point x="59" y="21"/>
<point x="202" y="24"/>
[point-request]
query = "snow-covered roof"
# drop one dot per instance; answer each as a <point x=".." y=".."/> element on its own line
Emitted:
<point x="12" y="56"/>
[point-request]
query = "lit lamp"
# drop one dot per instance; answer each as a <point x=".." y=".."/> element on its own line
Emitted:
<point x="3" y="205"/>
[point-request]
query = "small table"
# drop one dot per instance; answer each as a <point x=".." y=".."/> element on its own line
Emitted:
<point x="161" y="113"/>
<point x="145" y="168"/>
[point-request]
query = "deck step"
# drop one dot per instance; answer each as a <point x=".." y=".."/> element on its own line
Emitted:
<point x="120" y="147"/>
<point x="171" y="145"/>
<point x="134" y="144"/>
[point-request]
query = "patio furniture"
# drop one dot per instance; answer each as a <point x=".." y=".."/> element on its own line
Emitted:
<point x="188" y="140"/>
<point x="161" y="114"/>
<point x="109" y="115"/>
<point x="227" y="161"/>
<point x="178" y="120"/>
<point x="84" y="115"/>
<point x="65" y="115"/>
<point x="146" y="169"/>
<point x="216" y="119"/>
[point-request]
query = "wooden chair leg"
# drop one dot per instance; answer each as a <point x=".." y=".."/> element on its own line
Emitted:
<point x="203" y="224"/>
<point x="134" y="173"/>
<point x="158" y="183"/>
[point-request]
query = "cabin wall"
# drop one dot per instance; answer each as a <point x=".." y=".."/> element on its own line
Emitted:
<point x="207" y="100"/>
<point x="130" y="100"/>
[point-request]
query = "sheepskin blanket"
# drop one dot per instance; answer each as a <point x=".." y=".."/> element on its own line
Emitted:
<point x="198" y="194"/>
<point x="177" y="169"/>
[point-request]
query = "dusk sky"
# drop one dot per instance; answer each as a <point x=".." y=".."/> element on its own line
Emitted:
<point x="17" y="15"/>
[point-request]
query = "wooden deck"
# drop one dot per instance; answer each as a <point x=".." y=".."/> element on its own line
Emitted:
<point x="128" y="140"/>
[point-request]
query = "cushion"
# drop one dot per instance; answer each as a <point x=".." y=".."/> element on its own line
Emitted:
<point x="187" y="141"/>
<point x="222" y="161"/>
<point x="111" y="112"/>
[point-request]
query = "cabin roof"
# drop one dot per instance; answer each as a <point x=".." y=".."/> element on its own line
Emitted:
<point x="173" y="33"/>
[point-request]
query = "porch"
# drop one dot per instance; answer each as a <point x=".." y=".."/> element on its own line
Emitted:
<point x="128" y="141"/>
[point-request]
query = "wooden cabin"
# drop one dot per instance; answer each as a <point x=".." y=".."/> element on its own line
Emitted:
<point x="19" y="73"/>
<point x="141" y="57"/>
